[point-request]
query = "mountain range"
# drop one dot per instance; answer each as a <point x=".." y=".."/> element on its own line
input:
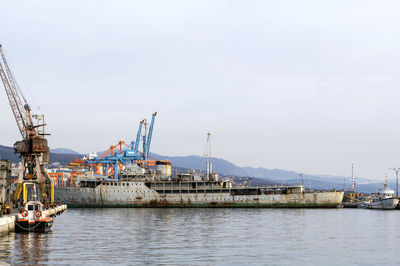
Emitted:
<point x="64" y="151"/>
<point x="259" y="175"/>
<point x="8" y="154"/>
<point x="277" y="176"/>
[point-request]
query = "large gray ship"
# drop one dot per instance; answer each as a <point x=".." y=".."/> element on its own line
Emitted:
<point x="140" y="187"/>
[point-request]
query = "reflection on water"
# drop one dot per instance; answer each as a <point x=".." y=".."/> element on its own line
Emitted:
<point x="6" y="242"/>
<point x="210" y="236"/>
<point x="33" y="247"/>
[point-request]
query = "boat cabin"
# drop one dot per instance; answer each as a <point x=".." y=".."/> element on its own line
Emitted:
<point x="33" y="210"/>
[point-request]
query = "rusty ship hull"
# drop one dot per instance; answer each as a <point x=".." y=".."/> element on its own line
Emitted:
<point x="192" y="194"/>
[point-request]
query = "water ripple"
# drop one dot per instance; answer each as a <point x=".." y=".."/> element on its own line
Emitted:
<point x="210" y="237"/>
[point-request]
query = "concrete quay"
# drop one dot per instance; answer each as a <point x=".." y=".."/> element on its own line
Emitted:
<point x="7" y="223"/>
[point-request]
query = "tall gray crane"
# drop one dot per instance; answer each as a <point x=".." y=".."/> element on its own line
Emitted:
<point x="33" y="148"/>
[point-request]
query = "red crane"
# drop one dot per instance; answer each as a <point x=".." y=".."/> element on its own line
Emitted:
<point x="33" y="149"/>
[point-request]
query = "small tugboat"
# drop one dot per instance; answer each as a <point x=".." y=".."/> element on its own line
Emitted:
<point x="33" y="219"/>
<point x="383" y="200"/>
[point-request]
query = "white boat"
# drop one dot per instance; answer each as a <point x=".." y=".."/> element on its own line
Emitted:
<point x="383" y="200"/>
<point x="33" y="219"/>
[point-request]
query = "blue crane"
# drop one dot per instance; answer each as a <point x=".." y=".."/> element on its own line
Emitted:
<point x="150" y="134"/>
<point x="128" y="155"/>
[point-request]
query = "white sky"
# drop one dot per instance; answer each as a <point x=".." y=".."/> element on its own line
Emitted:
<point x="310" y="86"/>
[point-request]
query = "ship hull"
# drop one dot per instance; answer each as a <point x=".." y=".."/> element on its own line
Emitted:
<point x="137" y="195"/>
<point x="383" y="204"/>
<point x="42" y="226"/>
<point x="205" y="205"/>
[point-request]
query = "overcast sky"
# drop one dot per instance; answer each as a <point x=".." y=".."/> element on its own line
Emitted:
<point x="310" y="86"/>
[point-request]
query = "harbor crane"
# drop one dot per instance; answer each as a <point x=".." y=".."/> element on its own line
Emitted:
<point x="113" y="159"/>
<point x="33" y="148"/>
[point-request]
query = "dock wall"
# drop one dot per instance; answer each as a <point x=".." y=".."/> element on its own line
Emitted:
<point x="7" y="223"/>
<point x="56" y="210"/>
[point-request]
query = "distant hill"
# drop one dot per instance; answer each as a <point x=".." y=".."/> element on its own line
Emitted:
<point x="7" y="153"/>
<point x="277" y="176"/>
<point x="64" y="151"/>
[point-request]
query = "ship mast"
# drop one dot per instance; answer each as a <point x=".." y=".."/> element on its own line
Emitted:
<point x="386" y="186"/>
<point x="353" y="180"/>
<point x="396" y="170"/>
<point x="207" y="158"/>
<point x="209" y="161"/>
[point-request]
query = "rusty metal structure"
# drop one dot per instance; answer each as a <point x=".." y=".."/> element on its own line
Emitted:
<point x="5" y="187"/>
<point x="33" y="147"/>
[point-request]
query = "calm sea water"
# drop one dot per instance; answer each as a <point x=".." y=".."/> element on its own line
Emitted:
<point x="210" y="237"/>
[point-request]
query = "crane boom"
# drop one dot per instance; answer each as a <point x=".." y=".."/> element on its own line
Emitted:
<point x="148" y="141"/>
<point x="13" y="96"/>
<point x="135" y="148"/>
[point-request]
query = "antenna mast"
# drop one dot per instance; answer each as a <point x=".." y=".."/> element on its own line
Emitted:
<point x="396" y="170"/>
<point x="207" y="158"/>
<point x="353" y="180"/>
